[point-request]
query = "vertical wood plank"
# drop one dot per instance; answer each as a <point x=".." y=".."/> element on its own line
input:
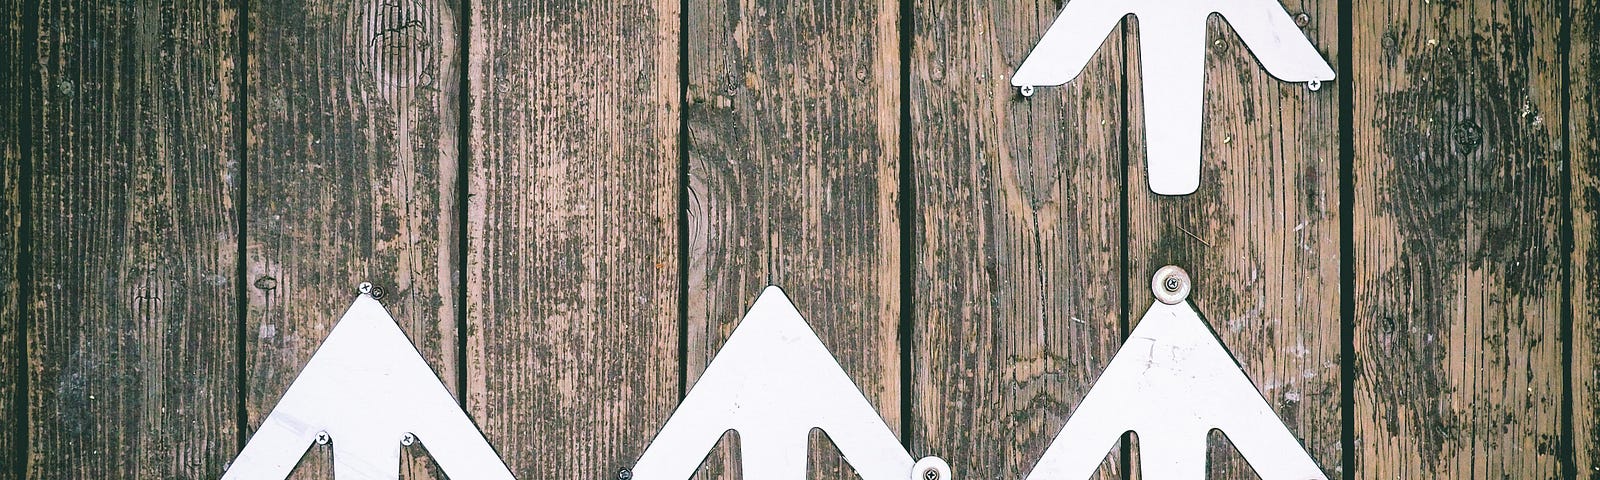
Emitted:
<point x="793" y="123"/>
<point x="573" y="278"/>
<point x="352" y="164"/>
<point x="1584" y="151"/>
<point x="15" y="110"/>
<point x="1018" y="234"/>
<point x="1260" y="238"/>
<point x="1456" y="221"/>
<point x="131" y="344"/>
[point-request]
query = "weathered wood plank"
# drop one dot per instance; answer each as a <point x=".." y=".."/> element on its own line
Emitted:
<point x="15" y="110"/>
<point x="1260" y="238"/>
<point x="1018" y="233"/>
<point x="1583" y="139"/>
<point x="1457" y="181"/>
<point x="131" y="344"/>
<point x="573" y="278"/>
<point x="793" y="175"/>
<point x="352" y="165"/>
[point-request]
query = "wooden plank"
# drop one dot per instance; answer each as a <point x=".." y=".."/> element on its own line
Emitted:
<point x="1584" y="154"/>
<point x="1018" y="231"/>
<point x="132" y="336"/>
<point x="793" y="119"/>
<point x="1260" y="238"/>
<point x="1457" y="180"/>
<point x="573" y="278"/>
<point x="15" y="114"/>
<point x="352" y="166"/>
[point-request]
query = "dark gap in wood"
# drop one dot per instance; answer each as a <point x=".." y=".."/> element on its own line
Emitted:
<point x="683" y="199"/>
<point x="242" y="224"/>
<point x="1123" y="222"/>
<point x="1566" y="446"/>
<point x="1347" y="272"/>
<point x="24" y="261"/>
<point x="908" y="221"/>
<point x="463" y="188"/>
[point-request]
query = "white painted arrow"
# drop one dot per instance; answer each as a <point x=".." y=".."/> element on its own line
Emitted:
<point x="1172" y="383"/>
<point x="367" y="387"/>
<point x="773" y="381"/>
<point x="1172" y="40"/>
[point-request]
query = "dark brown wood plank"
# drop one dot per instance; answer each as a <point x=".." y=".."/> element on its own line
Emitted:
<point x="352" y="164"/>
<point x="1018" y="230"/>
<point x="1457" y="180"/>
<point x="793" y="168"/>
<point x="573" y="279"/>
<point x="1583" y="137"/>
<point x="1260" y="238"/>
<point x="132" y="335"/>
<point x="15" y="110"/>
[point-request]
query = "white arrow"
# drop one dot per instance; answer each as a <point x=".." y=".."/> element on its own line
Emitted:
<point x="1172" y="40"/>
<point x="1172" y="383"/>
<point x="367" y="388"/>
<point x="773" y="381"/>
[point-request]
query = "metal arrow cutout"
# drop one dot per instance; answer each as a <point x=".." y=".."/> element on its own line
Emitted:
<point x="1172" y="40"/>
<point x="773" y="381"/>
<point x="367" y="390"/>
<point x="1172" y="383"/>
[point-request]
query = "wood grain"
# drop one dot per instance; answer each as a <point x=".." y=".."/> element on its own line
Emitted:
<point x="1457" y="180"/>
<point x="1260" y="238"/>
<point x="15" y="113"/>
<point x="573" y="278"/>
<point x="793" y="124"/>
<point x="131" y="343"/>
<point x="1018" y="233"/>
<point x="352" y="165"/>
<point x="1583" y="140"/>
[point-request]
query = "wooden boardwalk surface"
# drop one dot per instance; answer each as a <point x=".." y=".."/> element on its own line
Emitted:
<point x="569" y="204"/>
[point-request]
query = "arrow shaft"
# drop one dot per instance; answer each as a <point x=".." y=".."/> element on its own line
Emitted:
<point x="1172" y="57"/>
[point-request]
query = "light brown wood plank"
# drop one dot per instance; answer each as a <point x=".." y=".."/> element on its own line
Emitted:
<point x="132" y="339"/>
<point x="15" y="112"/>
<point x="1457" y="181"/>
<point x="352" y="166"/>
<point x="1260" y="238"/>
<point x="573" y="266"/>
<point x="793" y="168"/>
<point x="1584" y="145"/>
<point x="1018" y="232"/>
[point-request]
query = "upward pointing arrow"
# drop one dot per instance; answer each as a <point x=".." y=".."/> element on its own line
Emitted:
<point x="1172" y="383"/>
<point x="1172" y="40"/>
<point x="773" y="381"/>
<point x="367" y="387"/>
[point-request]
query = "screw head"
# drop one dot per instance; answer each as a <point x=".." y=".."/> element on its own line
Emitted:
<point x="1170" y="285"/>
<point x="1025" y="90"/>
<point x="365" y="288"/>
<point x="323" y="438"/>
<point x="624" y="474"/>
<point x="1314" y="85"/>
<point x="377" y="292"/>
<point x="930" y="468"/>
<point x="408" y="439"/>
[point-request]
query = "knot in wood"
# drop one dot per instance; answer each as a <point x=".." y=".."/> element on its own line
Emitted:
<point x="396" y="42"/>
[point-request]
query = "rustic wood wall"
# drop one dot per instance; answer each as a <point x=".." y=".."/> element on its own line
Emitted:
<point x="569" y="204"/>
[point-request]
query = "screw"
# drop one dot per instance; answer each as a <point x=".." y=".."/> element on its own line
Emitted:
<point x="365" y="288"/>
<point x="377" y="292"/>
<point x="624" y="474"/>
<point x="1026" y="90"/>
<point x="1314" y="85"/>
<point x="408" y="440"/>
<point x="1172" y="284"/>
<point x="323" y="438"/>
<point x="1302" y="20"/>
<point x="930" y="474"/>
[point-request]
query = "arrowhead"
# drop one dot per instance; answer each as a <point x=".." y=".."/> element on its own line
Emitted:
<point x="773" y="381"/>
<point x="367" y="387"/>
<point x="1172" y="383"/>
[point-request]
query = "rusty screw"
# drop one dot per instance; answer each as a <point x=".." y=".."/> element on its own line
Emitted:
<point x="1302" y="20"/>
